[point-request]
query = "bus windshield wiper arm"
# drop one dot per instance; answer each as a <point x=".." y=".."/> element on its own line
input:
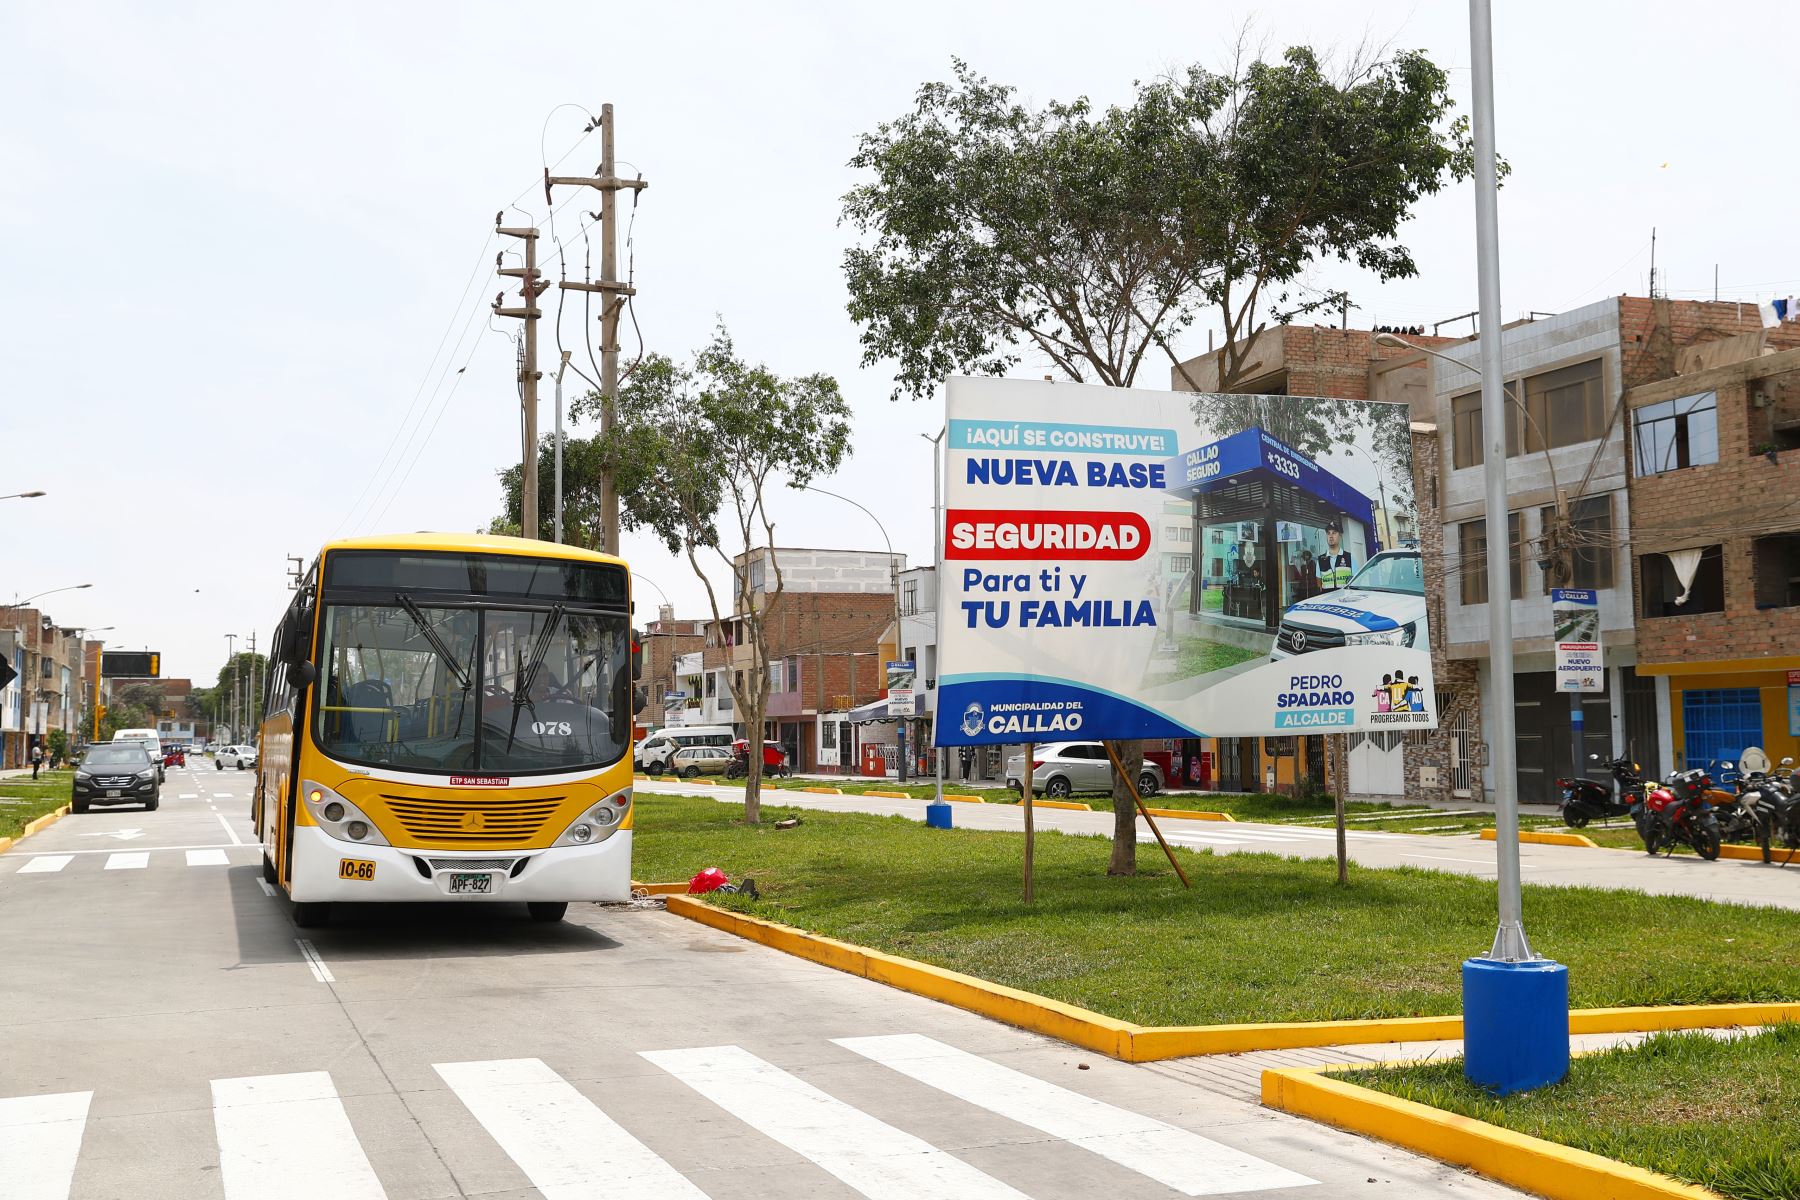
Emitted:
<point x="528" y="675"/>
<point x="437" y="643"/>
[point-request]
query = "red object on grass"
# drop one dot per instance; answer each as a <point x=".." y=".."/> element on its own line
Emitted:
<point x="709" y="880"/>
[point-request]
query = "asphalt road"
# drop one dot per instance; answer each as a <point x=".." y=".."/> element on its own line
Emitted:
<point x="166" y="1031"/>
<point x="1732" y="880"/>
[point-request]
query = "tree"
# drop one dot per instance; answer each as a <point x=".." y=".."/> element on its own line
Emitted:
<point x="584" y="461"/>
<point x="145" y="696"/>
<point x="707" y="443"/>
<point x="1092" y="239"/>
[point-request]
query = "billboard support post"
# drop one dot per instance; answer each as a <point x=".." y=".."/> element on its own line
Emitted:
<point x="1030" y="834"/>
<point x="1515" y="1004"/>
<point x="1131" y="785"/>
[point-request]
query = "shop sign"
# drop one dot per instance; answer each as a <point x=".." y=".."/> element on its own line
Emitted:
<point x="1575" y="617"/>
<point x="1055" y="621"/>
<point x="901" y="676"/>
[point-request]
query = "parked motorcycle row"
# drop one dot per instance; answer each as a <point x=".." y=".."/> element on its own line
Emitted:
<point x="1749" y="802"/>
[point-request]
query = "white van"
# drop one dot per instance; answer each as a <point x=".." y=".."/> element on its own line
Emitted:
<point x="151" y="742"/>
<point x="654" y="752"/>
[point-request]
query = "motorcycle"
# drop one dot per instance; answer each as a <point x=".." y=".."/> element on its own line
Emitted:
<point x="775" y="761"/>
<point x="1751" y="813"/>
<point x="1584" y="800"/>
<point x="1781" y="827"/>
<point x="1679" y="811"/>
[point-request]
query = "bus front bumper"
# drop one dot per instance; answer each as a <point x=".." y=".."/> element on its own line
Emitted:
<point x="326" y="869"/>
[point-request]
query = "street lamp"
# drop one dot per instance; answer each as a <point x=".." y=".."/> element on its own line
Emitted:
<point x="22" y="496"/>
<point x="643" y="578"/>
<point x="899" y="638"/>
<point x="73" y="587"/>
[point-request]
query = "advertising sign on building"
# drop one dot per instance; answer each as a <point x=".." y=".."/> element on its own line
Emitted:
<point x="901" y="678"/>
<point x="674" y="708"/>
<point x="1055" y="620"/>
<point x="1575" y="615"/>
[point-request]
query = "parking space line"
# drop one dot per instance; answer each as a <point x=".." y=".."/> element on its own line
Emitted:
<point x="314" y="963"/>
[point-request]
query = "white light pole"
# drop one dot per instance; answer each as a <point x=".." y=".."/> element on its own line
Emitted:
<point x="22" y="496"/>
<point x="935" y="814"/>
<point x="73" y="587"/>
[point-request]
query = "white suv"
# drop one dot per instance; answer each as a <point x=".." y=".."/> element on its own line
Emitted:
<point x="1064" y="767"/>
<point x="241" y="757"/>
<point x="1384" y="605"/>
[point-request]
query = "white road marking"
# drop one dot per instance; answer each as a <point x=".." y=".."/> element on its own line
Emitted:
<point x="1482" y="862"/>
<point x="320" y="971"/>
<point x="207" y="858"/>
<point x="871" y="1156"/>
<point x="206" y="846"/>
<point x="229" y="831"/>
<point x="189" y="796"/>
<point x="40" y="1139"/>
<point x="134" y="861"/>
<point x="124" y="835"/>
<point x="264" y="885"/>
<point x="567" y="1147"/>
<point x="280" y="1135"/>
<point x="46" y="862"/>
<point x="1175" y="1157"/>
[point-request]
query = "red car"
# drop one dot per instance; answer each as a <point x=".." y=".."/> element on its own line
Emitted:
<point x="174" y="756"/>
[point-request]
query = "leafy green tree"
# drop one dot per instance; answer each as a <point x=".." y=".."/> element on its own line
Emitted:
<point x="1090" y="240"/>
<point x="703" y="445"/>
<point x="59" y="745"/>
<point x="146" y="696"/>
<point x="583" y="462"/>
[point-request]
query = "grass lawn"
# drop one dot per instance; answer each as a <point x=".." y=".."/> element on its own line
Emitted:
<point x="1721" y="1114"/>
<point x="1259" y="938"/>
<point x="31" y="799"/>
<point x="1201" y="655"/>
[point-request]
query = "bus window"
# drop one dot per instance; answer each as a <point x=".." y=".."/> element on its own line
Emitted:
<point x="556" y="690"/>
<point x="388" y="694"/>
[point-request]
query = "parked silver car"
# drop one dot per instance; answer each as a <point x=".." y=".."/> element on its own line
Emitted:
<point x="1065" y="767"/>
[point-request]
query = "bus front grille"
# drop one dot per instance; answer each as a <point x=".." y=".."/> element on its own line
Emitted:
<point x="472" y="820"/>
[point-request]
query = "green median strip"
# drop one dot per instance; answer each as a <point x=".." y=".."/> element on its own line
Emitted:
<point x="1718" y="1113"/>
<point x="31" y="799"/>
<point x="1259" y="938"/>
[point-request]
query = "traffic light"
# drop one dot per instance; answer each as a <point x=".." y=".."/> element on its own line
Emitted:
<point x="101" y="712"/>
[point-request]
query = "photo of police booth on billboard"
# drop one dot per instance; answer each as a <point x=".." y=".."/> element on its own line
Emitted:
<point x="1122" y="563"/>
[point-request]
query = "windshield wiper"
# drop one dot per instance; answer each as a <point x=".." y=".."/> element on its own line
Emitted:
<point x="437" y="643"/>
<point x="528" y="675"/>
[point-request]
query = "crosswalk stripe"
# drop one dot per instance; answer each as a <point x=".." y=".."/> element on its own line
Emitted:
<point x="46" y="862"/>
<point x="207" y="858"/>
<point x="40" y="1139"/>
<point x="1177" y="1158"/>
<point x="567" y="1147"/>
<point x="871" y="1156"/>
<point x="280" y="1135"/>
<point x="129" y="861"/>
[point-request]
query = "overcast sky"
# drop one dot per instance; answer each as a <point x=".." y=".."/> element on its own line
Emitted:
<point x="236" y="234"/>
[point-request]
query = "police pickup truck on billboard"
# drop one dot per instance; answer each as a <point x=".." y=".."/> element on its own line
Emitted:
<point x="1384" y="605"/>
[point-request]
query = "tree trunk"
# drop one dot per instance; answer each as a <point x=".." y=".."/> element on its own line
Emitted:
<point x="753" y="765"/>
<point x="1124" y="845"/>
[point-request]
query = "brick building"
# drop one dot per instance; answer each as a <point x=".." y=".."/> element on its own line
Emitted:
<point x="1715" y="547"/>
<point x="48" y="693"/>
<point x="665" y="642"/>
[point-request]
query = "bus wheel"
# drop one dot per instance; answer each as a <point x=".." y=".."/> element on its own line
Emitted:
<point x="546" y="911"/>
<point x="269" y="875"/>
<point x="312" y="914"/>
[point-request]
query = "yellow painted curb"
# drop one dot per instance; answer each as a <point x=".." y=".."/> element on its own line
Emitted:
<point x="1545" y="1168"/>
<point x="887" y="795"/>
<point x="1546" y="839"/>
<point x="964" y="799"/>
<point x="1145" y="1043"/>
<point x="822" y="791"/>
<point x="5" y="844"/>
<point x="1779" y="858"/>
<point x="659" y="889"/>
<point x="44" y="822"/>
<point x="1189" y="815"/>
<point x="1063" y="1021"/>
<point x="1074" y="804"/>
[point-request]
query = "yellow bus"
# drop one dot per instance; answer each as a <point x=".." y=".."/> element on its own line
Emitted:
<point x="449" y="717"/>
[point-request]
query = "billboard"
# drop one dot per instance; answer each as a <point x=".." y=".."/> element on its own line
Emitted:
<point x="1575" y="616"/>
<point x="130" y="664"/>
<point x="1135" y="564"/>
<point x="901" y="679"/>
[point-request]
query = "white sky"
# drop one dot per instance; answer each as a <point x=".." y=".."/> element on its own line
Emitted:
<point x="236" y="233"/>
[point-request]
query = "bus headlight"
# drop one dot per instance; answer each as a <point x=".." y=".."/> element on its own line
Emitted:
<point x="599" y="822"/>
<point x="605" y="815"/>
<point x="338" y="817"/>
<point x="580" y="833"/>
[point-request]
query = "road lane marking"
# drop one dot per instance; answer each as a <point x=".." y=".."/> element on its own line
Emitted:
<point x="189" y="796"/>
<point x="47" y="862"/>
<point x="871" y="1156"/>
<point x="207" y="858"/>
<point x="229" y="831"/>
<point x="280" y="1135"/>
<point x="1175" y="1157"/>
<point x="205" y="846"/>
<point x="134" y="861"/>
<point x="567" y="1147"/>
<point x="1480" y="862"/>
<point x="320" y="971"/>
<point x="264" y="885"/>
<point x="40" y="1139"/>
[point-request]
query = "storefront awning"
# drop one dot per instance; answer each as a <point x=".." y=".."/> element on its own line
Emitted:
<point x="873" y="711"/>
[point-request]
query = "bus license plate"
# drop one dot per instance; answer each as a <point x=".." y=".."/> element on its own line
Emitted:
<point x="461" y="882"/>
<point x="360" y="869"/>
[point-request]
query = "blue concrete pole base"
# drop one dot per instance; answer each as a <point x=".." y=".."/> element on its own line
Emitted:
<point x="937" y="815"/>
<point x="1515" y="1024"/>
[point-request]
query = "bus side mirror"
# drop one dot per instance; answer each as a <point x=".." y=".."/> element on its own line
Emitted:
<point x="637" y="657"/>
<point x="305" y="674"/>
<point x="640" y="699"/>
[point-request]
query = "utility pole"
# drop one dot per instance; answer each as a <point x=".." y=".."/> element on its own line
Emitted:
<point x="561" y="367"/>
<point x="608" y="183"/>
<point x="529" y="288"/>
<point x="250" y="693"/>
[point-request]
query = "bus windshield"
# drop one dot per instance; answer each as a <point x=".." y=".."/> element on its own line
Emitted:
<point x="452" y="690"/>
